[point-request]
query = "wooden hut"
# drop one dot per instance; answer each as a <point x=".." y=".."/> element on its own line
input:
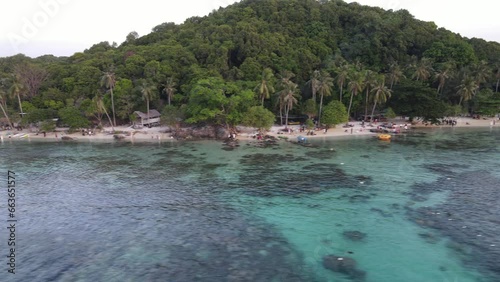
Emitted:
<point x="152" y="119"/>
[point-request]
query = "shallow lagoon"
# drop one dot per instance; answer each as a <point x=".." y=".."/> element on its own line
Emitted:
<point x="425" y="204"/>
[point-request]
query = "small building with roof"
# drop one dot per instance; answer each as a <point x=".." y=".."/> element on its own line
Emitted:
<point x="153" y="119"/>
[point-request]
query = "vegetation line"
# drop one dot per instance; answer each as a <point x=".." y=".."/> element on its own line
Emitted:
<point x="260" y="62"/>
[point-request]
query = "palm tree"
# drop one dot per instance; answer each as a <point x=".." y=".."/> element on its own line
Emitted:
<point x="423" y="69"/>
<point x="148" y="92"/>
<point x="467" y="89"/>
<point x="325" y="89"/>
<point x="265" y="87"/>
<point x="314" y="83"/>
<point x="369" y="81"/>
<point x="100" y="106"/>
<point x="16" y="90"/>
<point x="169" y="88"/>
<point x="395" y="74"/>
<point x="285" y="81"/>
<point x="3" y="106"/>
<point x="481" y="72"/>
<point x="285" y="77"/>
<point x="381" y="94"/>
<point x="280" y="102"/>
<point x="342" y="75"/>
<point x="441" y="77"/>
<point x="355" y="86"/>
<point x="108" y="80"/>
<point x="290" y="98"/>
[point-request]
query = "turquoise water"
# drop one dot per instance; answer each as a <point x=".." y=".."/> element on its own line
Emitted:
<point x="423" y="207"/>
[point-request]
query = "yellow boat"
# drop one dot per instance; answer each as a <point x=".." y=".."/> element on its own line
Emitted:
<point x="384" y="137"/>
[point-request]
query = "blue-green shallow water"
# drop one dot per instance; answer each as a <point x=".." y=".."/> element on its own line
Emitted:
<point x="426" y="208"/>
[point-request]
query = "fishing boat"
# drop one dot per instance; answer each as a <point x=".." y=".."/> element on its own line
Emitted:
<point x="301" y="139"/>
<point x="384" y="137"/>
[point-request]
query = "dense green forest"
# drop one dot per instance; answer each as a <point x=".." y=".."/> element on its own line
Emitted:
<point x="260" y="59"/>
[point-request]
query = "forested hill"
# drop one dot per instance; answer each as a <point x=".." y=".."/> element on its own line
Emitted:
<point x="304" y="35"/>
<point x="308" y="47"/>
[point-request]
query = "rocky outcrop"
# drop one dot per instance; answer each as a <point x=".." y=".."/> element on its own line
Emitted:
<point x="344" y="265"/>
<point x="354" y="235"/>
<point x="67" y="138"/>
<point x="201" y="132"/>
<point x="246" y="129"/>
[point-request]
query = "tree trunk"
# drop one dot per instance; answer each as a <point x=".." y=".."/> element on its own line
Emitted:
<point x="287" y="109"/>
<point x="349" y="109"/>
<point x="441" y="88"/>
<point x="168" y="98"/>
<point x="6" y="116"/>
<point x="498" y="82"/>
<point x="281" y="115"/>
<point x="392" y="82"/>
<point x="341" y="86"/>
<point x="113" y="106"/>
<point x="147" y="107"/>
<point x="366" y="102"/>
<point x="20" y="104"/>
<point x="460" y="102"/>
<point x="320" y="109"/>
<point x="373" y="111"/>
<point x="99" y="119"/>
<point x="109" y="118"/>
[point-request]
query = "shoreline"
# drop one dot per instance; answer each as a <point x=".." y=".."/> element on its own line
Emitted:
<point x="157" y="134"/>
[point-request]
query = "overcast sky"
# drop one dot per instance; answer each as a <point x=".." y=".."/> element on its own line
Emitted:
<point x="63" y="27"/>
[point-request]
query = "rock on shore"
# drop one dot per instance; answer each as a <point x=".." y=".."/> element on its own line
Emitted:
<point x="202" y="132"/>
<point x="344" y="265"/>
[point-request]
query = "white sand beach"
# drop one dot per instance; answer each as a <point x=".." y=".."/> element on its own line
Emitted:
<point x="162" y="133"/>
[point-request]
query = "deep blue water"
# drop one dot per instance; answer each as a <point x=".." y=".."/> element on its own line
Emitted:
<point x="424" y="207"/>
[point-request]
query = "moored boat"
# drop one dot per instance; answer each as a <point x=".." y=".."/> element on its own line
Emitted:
<point x="384" y="137"/>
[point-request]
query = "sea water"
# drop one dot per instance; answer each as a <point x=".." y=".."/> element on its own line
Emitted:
<point x="423" y="207"/>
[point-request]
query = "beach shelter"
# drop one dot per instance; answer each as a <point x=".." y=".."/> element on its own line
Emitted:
<point x="149" y="120"/>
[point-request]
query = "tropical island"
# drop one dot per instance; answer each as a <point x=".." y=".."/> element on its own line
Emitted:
<point x="259" y="63"/>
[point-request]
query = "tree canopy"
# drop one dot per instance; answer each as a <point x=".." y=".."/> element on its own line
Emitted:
<point x="219" y="66"/>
